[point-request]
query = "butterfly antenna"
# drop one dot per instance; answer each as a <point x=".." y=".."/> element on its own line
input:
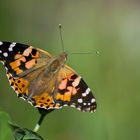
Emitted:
<point x="61" y="38"/>
<point x="97" y="52"/>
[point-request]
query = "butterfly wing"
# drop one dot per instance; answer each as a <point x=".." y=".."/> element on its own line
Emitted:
<point x="23" y="87"/>
<point x="20" y="59"/>
<point x="24" y="64"/>
<point x="73" y="91"/>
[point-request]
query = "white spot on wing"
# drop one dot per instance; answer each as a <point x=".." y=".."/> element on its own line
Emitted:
<point x="92" y="100"/>
<point x="89" y="104"/>
<point x="12" y="46"/>
<point x="0" y="51"/>
<point x="5" y="54"/>
<point x="79" y="108"/>
<point x="72" y="105"/>
<point x="80" y="100"/>
<point x="10" y="49"/>
<point x="84" y="103"/>
<point x="56" y="107"/>
<point x="1" y="43"/>
<point x="88" y="109"/>
<point x="2" y="62"/>
<point x="86" y="92"/>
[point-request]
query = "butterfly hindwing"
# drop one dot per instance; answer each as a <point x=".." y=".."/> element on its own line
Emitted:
<point x="19" y="85"/>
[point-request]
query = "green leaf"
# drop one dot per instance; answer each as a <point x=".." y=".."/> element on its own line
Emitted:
<point x="23" y="133"/>
<point x="4" y="129"/>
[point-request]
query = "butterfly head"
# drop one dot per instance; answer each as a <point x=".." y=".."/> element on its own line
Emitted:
<point x="57" y="62"/>
<point x="63" y="56"/>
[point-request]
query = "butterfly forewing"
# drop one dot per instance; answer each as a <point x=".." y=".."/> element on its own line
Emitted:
<point x="21" y="59"/>
<point x="73" y="91"/>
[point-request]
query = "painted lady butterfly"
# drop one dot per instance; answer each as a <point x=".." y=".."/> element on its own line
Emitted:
<point x="44" y="80"/>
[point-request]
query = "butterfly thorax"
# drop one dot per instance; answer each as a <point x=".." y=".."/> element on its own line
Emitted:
<point x="56" y="63"/>
<point x="45" y="80"/>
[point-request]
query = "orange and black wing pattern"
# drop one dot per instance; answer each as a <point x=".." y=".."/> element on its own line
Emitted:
<point x="20" y="59"/>
<point x="73" y="91"/>
<point x="24" y="64"/>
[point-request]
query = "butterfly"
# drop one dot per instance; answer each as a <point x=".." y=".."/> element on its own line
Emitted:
<point x="43" y="80"/>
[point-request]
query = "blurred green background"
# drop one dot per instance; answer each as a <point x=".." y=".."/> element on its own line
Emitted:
<point x="111" y="27"/>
